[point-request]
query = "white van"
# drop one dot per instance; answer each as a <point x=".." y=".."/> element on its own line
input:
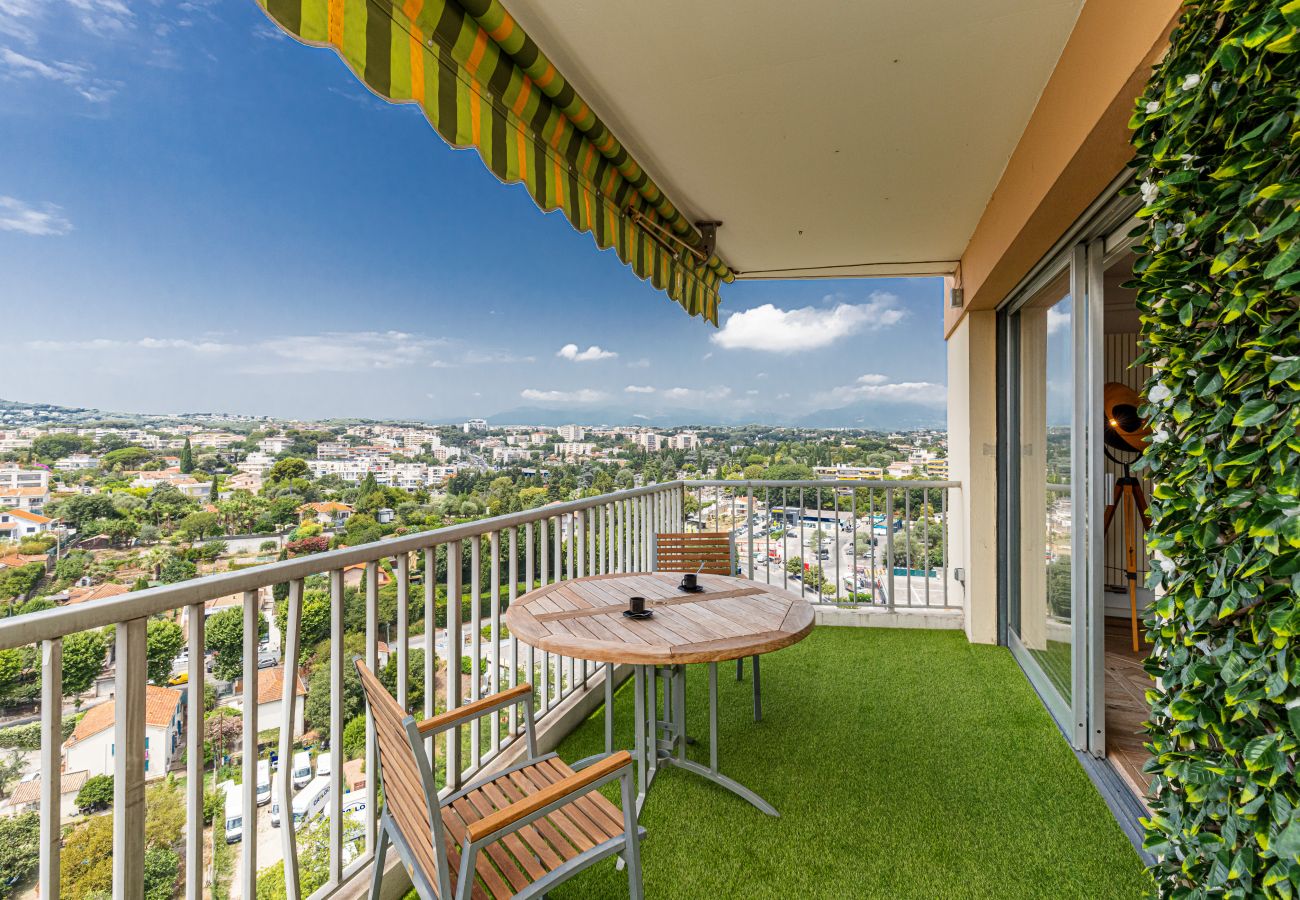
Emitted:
<point x="301" y="768"/>
<point x="323" y="763"/>
<point x="275" y="800"/>
<point x="234" y="813"/>
<point x="310" y="801"/>
<point x="263" y="782"/>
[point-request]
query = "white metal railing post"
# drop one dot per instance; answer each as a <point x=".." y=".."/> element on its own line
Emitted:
<point x="283" y="785"/>
<point x="494" y="639"/>
<point x="252" y="621"/>
<point x="430" y="639"/>
<point x="476" y="647"/>
<point x="336" y="663"/>
<point x="194" y="727"/>
<point x="372" y="748"/>
<point x="403" y="650"/>
<point x="454" y="652"/>
<point x="512" y="545"/>
<point x="129" y="761"/>
<point x="51" y="765"/>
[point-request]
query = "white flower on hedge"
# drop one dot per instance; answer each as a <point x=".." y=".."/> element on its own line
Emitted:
<point x="1179" y="228"/>
<point x="1191" y="81"/>
<point x="1165" y="563"/>
<point x="1160" y="436"/>
<point x="1159" y="393"/>
<point x="1153" y="106"/>
<point x="1150" y="190"/>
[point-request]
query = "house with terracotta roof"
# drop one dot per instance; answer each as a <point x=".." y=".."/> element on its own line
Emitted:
<point x="270" y="700"/>
<point x="18" y="560"/>
<point x="31" y="499"/>
<point x="91" y="746"/>
<point x="27" y="795"/>
<point x="355" y="575"/>
<point x="96" y="592"/>
<point x="329" y="513"/>
<point x="16" y="524"/>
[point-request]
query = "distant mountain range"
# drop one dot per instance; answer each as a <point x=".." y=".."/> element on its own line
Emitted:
<point x="870" y="416"/>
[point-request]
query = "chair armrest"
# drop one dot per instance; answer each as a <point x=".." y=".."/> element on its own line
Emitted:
<point x="567" y="788"/>
<point x="473" y="710"/>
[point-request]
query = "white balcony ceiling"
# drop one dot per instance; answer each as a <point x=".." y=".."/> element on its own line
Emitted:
<point x="860" y="137"/>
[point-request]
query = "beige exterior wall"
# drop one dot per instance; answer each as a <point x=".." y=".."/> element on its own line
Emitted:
<point x="972" y="460"/>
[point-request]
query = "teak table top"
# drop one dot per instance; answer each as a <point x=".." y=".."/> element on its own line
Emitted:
<point x="731" y="618"/>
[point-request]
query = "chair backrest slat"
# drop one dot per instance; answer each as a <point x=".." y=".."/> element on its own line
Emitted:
<point x="405" y="798"/>
<point x="708" y="552"/>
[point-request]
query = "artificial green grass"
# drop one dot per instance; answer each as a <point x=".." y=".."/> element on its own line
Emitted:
<point x="904" y="763"/>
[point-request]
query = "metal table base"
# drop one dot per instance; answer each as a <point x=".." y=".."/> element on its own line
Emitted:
<point x="662" y="741"/>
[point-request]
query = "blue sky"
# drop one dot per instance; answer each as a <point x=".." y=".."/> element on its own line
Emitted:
<point x="197" y="213"/>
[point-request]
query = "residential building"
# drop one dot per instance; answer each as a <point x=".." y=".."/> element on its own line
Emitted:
<point x="329" y="513"/>
<point x="26" y="796"/>
<point x="90" y="593"/>
<point x="77" y="462"/>
<point x="648" y="441"/>
<point x="274" y="445"/>
<point x="256" y="463"/>
<point x="244" y="481"/>
<point x="14" y="476"/>
<point x="91" y="745"/>
<point x="571" y="432"/>
<point x="16" y="524"/>
<point x="270" y="700"/>
<point x="474" y="425"/>
<point x="684" y="440"/>
<point x="569" y="449"/>
<point x="29" y="499"/>
<point x="506" y="455"/>
<point x="937" y="468"/>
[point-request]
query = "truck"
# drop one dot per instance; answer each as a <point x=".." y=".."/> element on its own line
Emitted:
<point x="310" y="801"/>
<point x="301" y="768"/>
<point x="234" y="813"/>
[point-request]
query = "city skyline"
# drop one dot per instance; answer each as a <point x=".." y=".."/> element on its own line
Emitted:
<point x="177" y="268"/>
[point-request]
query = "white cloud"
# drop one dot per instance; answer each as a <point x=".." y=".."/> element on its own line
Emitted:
<point x="47" y="219"/>
<point x="641" y="363"/>
<point x="875" y="386"/>
<point x="776" y="330"/>
<point x="1057" y="321"/>
<point x="14" y="65"/>
<point x="103" y="16"/>
<point x="583" y="395"/>
<point x="573" y="354"/>
<point x="639" y="389"/>
<point x="17" y="17"/>
<point x="301" y="354"/>
<point x="695" y="395"/>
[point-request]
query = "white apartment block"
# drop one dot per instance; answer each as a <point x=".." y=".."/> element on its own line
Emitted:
<point x="571" y="433"/>
<point x="474" y="425"/>
<point x="274" y="445"/>
<point x="256" y="463"/>
<point x="77" y="461"/>
<point x="13" y="476"/>
<point x="684" y="440"/>
<point x="841" y="471"/>
<point x="511" y="454"/>
<point x="333" y="450"/>
<point x="574" y="448"/>
<point x="12" y="441"/>
<point x="648" y="441"/>
<point x="217" y="440"/>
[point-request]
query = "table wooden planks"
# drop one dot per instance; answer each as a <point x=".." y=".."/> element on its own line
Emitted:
<point x="731" y="618"/>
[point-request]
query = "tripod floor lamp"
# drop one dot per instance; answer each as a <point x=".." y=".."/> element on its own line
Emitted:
<point x="1125" y="432"/>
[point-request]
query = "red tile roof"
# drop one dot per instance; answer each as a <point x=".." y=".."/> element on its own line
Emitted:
<point x="159" y="708"/>
<point x="97" y="592"/>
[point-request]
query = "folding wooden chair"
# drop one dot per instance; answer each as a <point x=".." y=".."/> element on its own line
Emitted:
<point x="518" y="833"/>
<point x="709" y="553"/>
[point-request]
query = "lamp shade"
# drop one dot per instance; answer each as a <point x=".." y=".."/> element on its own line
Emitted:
<point x="1125" y="429"/>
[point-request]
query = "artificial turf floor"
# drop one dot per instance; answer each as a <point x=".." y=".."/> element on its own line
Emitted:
<point x="904" y="763"/>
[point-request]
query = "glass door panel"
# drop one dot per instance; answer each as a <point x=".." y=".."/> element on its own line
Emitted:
<point x="1041" y="607"/>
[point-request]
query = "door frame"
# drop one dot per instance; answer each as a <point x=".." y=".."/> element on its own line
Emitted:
<point x="1095" y="240"/>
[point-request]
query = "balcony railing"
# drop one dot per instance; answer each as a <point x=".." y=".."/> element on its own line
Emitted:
<point x="611" y="533"/>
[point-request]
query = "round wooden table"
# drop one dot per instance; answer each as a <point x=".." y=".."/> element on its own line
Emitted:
<point x="730" y="618"/>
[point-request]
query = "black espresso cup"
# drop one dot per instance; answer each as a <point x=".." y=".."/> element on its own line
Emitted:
<point x="689" y="581"/>
<point x="636" y="605"/>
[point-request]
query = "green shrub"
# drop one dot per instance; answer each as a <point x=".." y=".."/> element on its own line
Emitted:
<point x="95" y="794"/>
<point x="1218" y="268"/>
<point x="28" y="737"/>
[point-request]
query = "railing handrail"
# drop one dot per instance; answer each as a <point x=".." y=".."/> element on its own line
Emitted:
<point x="48" y="624"/>
<point x="863" y="483"/>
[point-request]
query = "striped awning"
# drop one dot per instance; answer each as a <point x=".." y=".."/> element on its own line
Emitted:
<point x="483" y="83"/>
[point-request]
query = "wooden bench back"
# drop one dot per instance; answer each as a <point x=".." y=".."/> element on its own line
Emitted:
<point x="688" y="551"/>
<point x="405" y="797"/>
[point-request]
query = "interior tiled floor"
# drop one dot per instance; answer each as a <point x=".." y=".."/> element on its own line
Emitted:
<point x="1126" y="706"/>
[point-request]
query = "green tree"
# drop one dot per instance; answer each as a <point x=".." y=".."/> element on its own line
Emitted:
<point x="175" y="569"/>
<point x="163" y="640"/>
<point x="313" y="864"/>
<point x="166" y="504"/>
<point x="198" y="525"/>
<point x="83" y="660"/>
<point x="80" y="510"/>
<point x="225" y="637"/>
<point x="187" y="457"/>
<point x="354" y="738"/>
<point x="288" y="469"/>
<point x="162" y="867"/>
<point x="317" y="708"/>
<point x="414" y="679"/>
<point x="124" y="458"/>
<point x="20" y="849"/>
<point x="11" y="769"/>
<point x="95" y="794"/>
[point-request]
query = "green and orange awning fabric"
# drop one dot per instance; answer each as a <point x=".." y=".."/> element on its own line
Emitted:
<point x="483" y="83"/>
